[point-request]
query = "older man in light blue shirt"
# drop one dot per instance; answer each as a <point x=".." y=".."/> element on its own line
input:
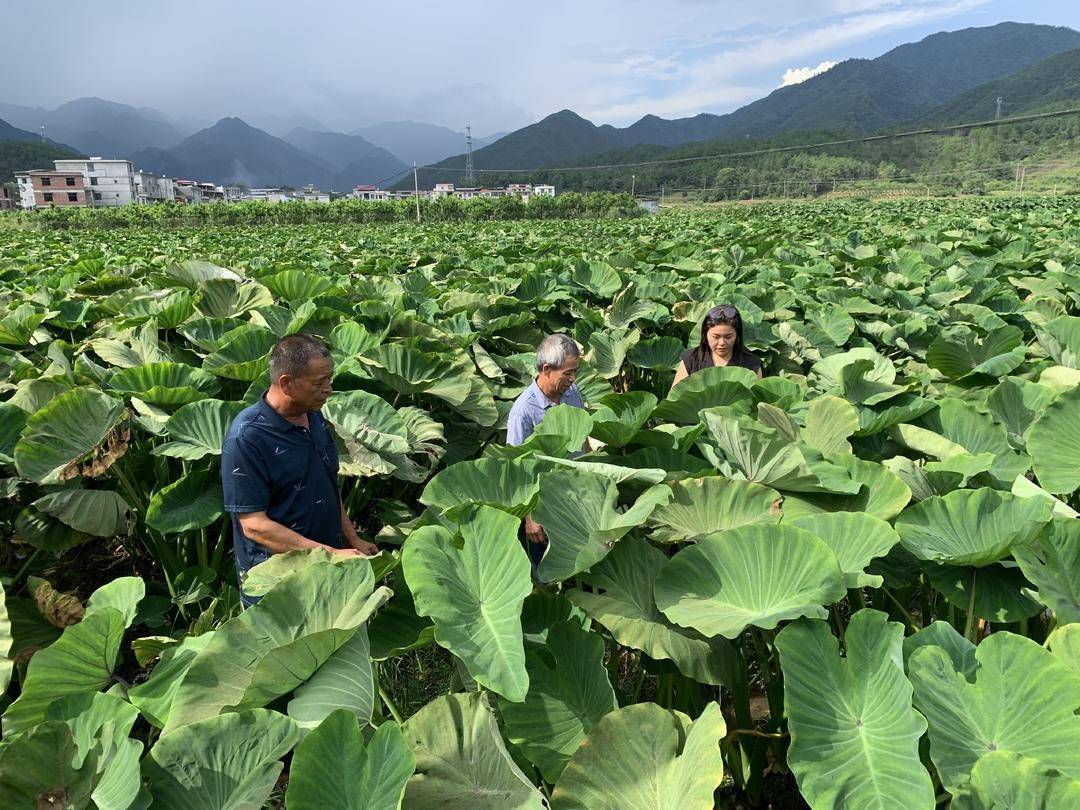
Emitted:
<point x="557" y="361"/>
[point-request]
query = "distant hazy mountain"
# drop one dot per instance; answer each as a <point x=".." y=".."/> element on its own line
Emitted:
<point x="281" y="125"/>
<point x="356" y="160"/>
<point x="423" y="143"/>
<point x="98" y="127"/>
<point x="232" y="151"/>
<point x="1045" y="85"/>
<point x="858" y="95"/>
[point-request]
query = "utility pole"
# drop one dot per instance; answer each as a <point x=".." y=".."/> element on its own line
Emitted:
<point x="997" y="112"/>
<point x="662" y="196"/>
<point x="1023" y="174"/>
<point x="470" y="169"/>
<point x="633" y="184"/>
<point x="416" y="190"/>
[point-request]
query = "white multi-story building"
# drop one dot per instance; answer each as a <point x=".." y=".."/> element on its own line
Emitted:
<point x="370" y="193"/>
<point x="111" y="182"/>
<point x="543" y="191"/>
<point x="153" y="188"/>
<point x="442" y="190"/>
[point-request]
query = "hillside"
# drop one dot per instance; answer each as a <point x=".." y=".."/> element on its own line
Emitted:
<point x="21" y="150"/>
<point x="858" y="95"/>
<point x="98" y="127"/>
<point x="1048" y="84"/>
<point x="233" y="152"/>
<point x="356" y="160"/>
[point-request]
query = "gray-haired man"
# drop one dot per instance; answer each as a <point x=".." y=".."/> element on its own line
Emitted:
<point x="279" y="464"/>
<point x="557" y="361"/>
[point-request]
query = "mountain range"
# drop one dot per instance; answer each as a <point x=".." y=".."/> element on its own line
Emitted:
<point x="857" y="95"/>
<point x="946" y="77"/>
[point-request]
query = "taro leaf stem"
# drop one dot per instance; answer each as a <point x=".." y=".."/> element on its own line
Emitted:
<point x="390" y="705"/>
<point x="970" y="625"/>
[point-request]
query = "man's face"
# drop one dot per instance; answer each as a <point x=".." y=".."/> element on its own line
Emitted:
<point x="560" y="379"/>
<point x="311" y="389"/>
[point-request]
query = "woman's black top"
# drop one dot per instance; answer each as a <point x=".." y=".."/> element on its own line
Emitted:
<point x="694" y="362"/>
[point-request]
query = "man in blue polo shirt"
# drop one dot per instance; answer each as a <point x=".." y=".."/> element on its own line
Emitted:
<point x="557" y="361"/>
<point x="279" y="464"/>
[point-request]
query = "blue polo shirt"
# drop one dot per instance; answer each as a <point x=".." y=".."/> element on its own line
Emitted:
<point x="529" y="409"/>
<point x="290" y="472"/>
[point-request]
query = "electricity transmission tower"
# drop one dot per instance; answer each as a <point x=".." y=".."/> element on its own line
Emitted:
<point x="470" y="169"/>
<point x="997" y="113"/>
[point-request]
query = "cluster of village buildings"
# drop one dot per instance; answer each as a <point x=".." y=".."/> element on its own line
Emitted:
<point x="98" y="182"/>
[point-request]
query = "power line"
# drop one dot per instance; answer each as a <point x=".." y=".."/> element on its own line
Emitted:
<point x="778" y="149"/>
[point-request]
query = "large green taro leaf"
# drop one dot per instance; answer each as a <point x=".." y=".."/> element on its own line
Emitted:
<point x="100" y="724"/>
<point x="830" y="422"/>
<point x="702" y="506"/>
<point x="755" y="575"/>
<point x="508" y="484"/>
<point x="374" y="435"/>
<point x="578" y="512"/>
<point x="598" y="278"/>
<point x="345" y="681"/>
<point x="873" y="369"/>
<point x="762" y="455"/>
<point x="1001" y="591"/>
<point x="727" y="386"/>
<point x="1053" y="441"/>
<point x="230" y="762"/>
<point x="409" y="371"/>
<point x="334" y="768"/>
<point x="81" y="661"/>
<point x="619" y="416"/>
<point x="276" y="645"/>
<point x="1002" y="779"/>
<point x="474" y="595"/>
<point x="855" y="538"/>
<point x="198" y="430"/>
<point x="971" y="527"/>
<point x="226" y="298"/>
<point x="461" y="760"/>
<point x="243" y="356"/>
<point x="168" y="385"/>
<point x="193" y="501"/>
<point x="97" y="512"/>
<point x="192" y="272"/>
<point x="977" y="434"/>
<point x="643" y="756"/>
<point x="569" y="692"/>
<point x="622" y="601"/>
<point x="959" y="353"/>
<point x="71" y="429"/>
<point x="1052" y="563"/>
<point x="297" y="285"/>
<point x="854" y="735"/>
<point x="42" y="767"/>
<point x="1022" y="699"/>
<point x="607" y="350"/>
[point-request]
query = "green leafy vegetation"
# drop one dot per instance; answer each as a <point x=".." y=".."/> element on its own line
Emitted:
<point x="853" y="580"/>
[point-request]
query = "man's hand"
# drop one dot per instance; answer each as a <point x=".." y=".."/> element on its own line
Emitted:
<point x="363" y="547"/>
<point x="534" y="532"/>
<point x="344" y="552"/>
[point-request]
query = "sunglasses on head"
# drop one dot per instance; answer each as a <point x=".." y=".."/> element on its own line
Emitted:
<point x="724" y="311"/>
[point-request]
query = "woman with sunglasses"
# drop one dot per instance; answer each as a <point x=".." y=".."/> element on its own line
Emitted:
<point x="721" y="345"/>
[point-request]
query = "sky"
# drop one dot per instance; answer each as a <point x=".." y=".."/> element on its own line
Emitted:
<point x="494" y="64"/>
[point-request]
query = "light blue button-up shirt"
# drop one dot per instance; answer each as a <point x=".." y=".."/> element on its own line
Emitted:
<point x="529" y="409"/>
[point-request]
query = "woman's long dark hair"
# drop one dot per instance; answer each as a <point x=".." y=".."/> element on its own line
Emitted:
<point x="723" y="314"/>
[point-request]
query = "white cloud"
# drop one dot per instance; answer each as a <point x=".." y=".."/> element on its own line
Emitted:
<point x="800" y="75"/>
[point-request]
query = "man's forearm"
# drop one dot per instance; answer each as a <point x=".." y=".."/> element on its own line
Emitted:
<point x="348" y="531"/>
<point x="272" y="535"/>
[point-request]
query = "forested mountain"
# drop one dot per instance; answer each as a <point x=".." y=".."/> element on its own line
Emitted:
<point x="231" y="151"/>
<point x="858" y="95"/>
<point x="355" y="159"/>
<point x="21" y="150"/>
<point x="1049" y="84"/>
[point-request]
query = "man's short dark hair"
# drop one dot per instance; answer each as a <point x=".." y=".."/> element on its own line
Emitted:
<point x="292" y="354"/>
